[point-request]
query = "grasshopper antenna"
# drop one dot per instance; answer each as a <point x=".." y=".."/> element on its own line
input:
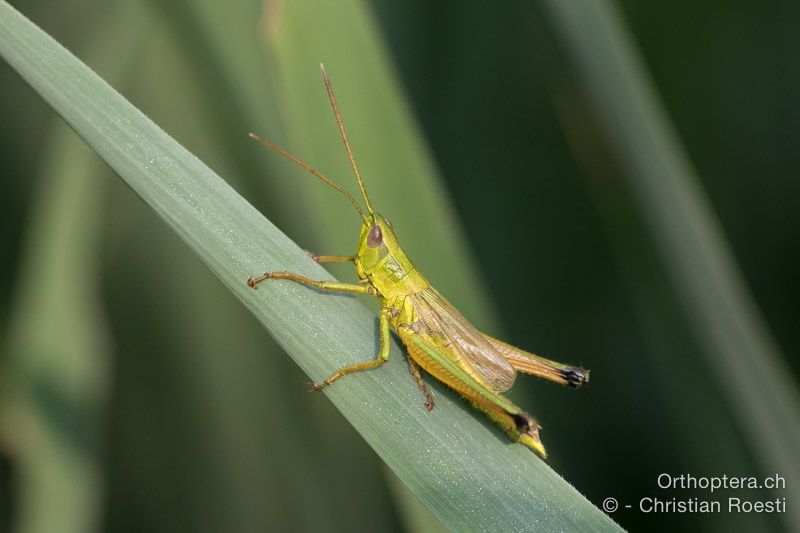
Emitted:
<point x="307" y="167"/>
<point x="340" y="123"/>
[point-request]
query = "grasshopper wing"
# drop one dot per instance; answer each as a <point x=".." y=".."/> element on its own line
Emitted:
<point x="446" y="328"/>
<point x="522" y="361"/>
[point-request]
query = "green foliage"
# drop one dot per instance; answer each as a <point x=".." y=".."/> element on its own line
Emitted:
<point x="754" y="373"/>
<point x="451" y="460"/>
<point x="136" y="393"/>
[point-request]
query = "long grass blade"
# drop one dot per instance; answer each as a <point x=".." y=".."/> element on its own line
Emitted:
<point x="461" y="467"/>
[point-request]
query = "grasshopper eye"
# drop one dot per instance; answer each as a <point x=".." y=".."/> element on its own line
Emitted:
<point x="375" y="237"/>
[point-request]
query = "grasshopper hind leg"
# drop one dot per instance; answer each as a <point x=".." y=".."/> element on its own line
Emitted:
<point x="414" y="369"/>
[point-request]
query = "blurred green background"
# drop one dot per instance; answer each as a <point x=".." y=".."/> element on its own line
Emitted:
<point x="154" y="415"/>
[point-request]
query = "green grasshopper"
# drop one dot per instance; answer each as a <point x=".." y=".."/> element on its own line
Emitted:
<point x="437" y="337"/>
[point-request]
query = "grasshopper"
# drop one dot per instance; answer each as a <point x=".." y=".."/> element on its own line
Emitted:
<point x="437" y="337"/>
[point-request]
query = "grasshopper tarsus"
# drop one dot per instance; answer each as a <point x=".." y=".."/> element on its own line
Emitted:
<point x="253" y="281"/>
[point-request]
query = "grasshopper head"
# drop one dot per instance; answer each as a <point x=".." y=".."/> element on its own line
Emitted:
<point x="376" y="240"/>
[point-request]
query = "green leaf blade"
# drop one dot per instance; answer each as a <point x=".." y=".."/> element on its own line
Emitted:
<point x="459" y="465"/>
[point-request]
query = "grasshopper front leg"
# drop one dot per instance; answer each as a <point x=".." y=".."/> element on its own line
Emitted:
<point x="383" y="354"/>
<point x="322" y="259"/>
<point x="329" y="286"/>
<point x="335" y="286"/>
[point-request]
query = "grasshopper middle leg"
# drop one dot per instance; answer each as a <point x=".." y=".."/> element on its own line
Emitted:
<point x="383" y="355"/>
